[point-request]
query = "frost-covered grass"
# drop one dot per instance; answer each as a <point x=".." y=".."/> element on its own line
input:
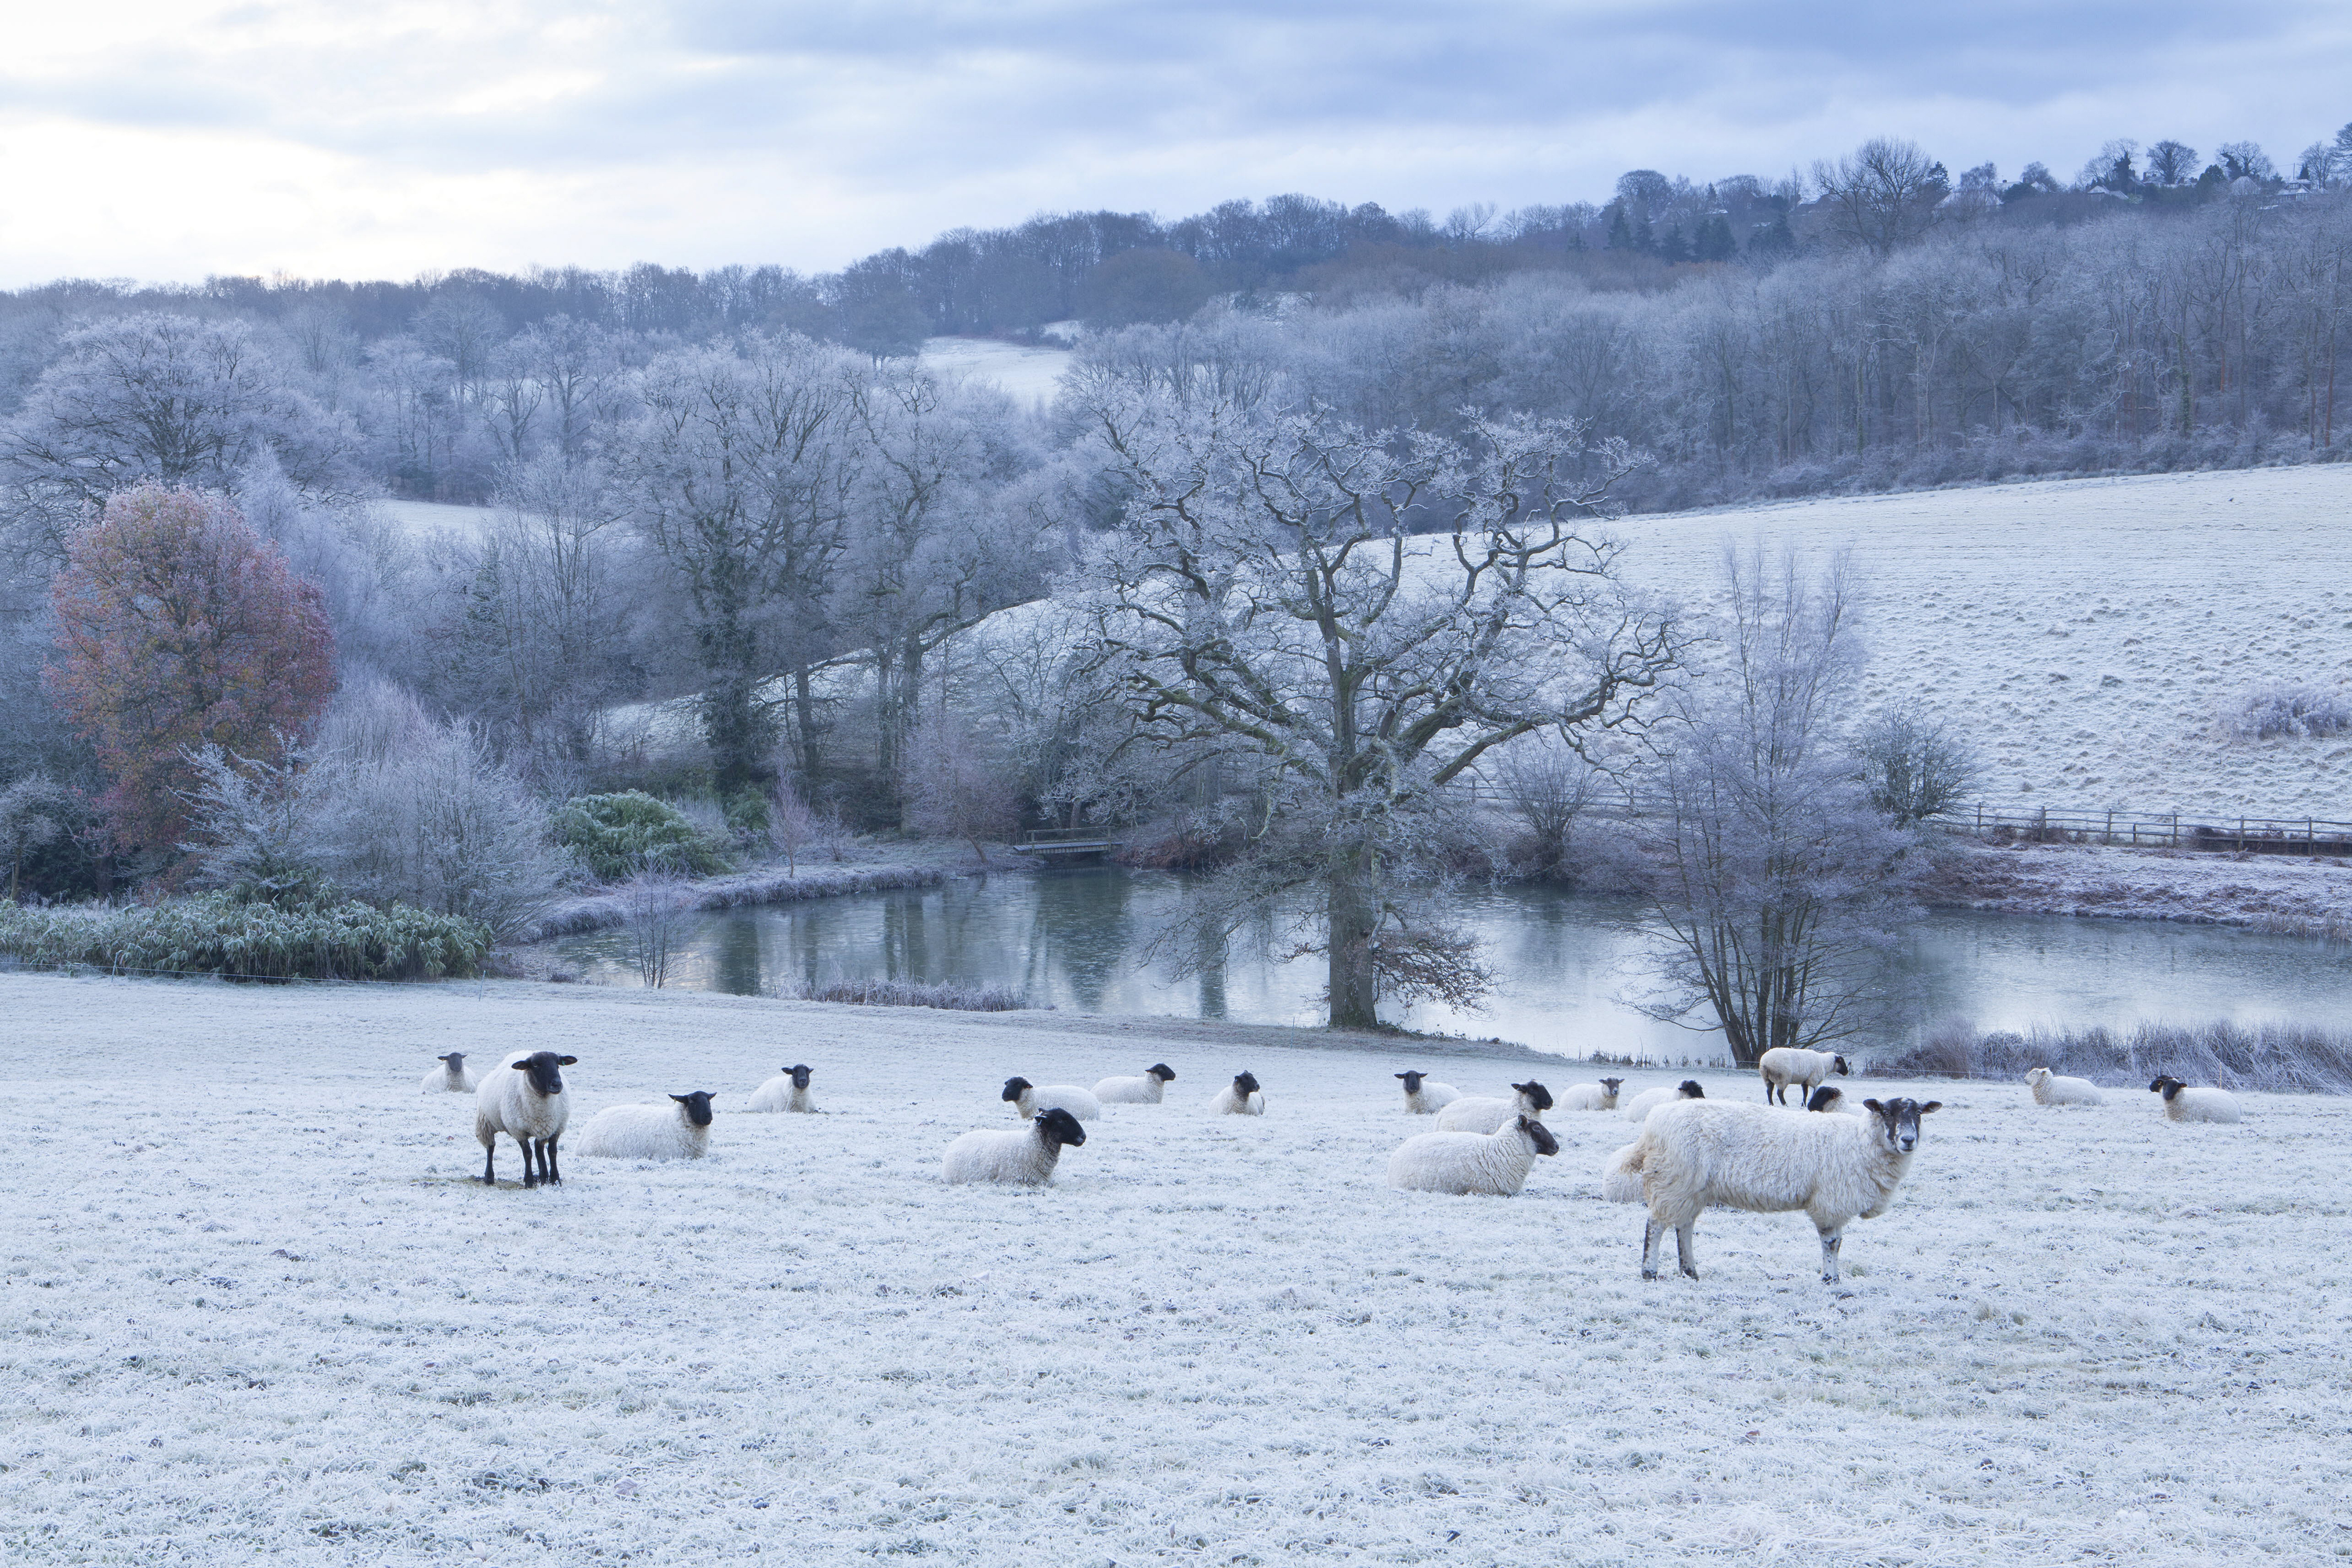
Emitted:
<point x="213" y="934"/>
<point x="2289" y="1057"/>
<point x="963" y="997"/>
<point x="251" y="1308"/>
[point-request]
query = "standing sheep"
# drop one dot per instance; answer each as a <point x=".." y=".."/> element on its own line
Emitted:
<point x="1602" y="1096"/>
<point x="1240" y="1098"/>
<point x="450" y="1077"/>
<point x="788" y="1090"/>
<point x="2050" y="1089"/>
<point x="525" y="1101"/>
<point x="1482" y="1115"/>
<point x="1837" y="1169"/>
<point x="1143" y="1090"/>
<point x="655" y="1132"/>
<point x="2182" y="1103"/>
<point x="1023" y="1159"/>
<point x="1494" y="1163"/>
<point x="1787" y="1067"/>
<point x="1027" y="1099"/>
<point x="1423" y="1095"/>
<point x="1638" y="1109"/>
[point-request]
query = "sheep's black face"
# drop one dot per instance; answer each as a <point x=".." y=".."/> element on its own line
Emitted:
<point x="539" y="1066"/>
<point x="454" y="1059"/>
<point x="1540" y="1136"/>
<point x="1613" y="1083"/>
<point x="1824" y="1099"/>
<point x="1058" y="1126"/>
<point x="1163" y="1072"/>
<point x="1691" y="1091"/>
<point x="1245" y="1084"/>
<point x="2167" y="1086"/>
<point x="1898" y="1121"/>
<point x="1837" y="1065"/>
<point x="800" y="1076"/>
<point x="1014" y="1087"/>
<point x="1412" y="1081"/>
<point x="1537" y="1095"/>
<point x="698" y="1106"/>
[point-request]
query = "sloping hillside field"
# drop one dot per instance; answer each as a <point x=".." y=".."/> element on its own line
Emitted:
<point x="254" y="1307"/>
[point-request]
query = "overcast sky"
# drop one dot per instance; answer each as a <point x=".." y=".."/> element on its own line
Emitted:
<point x="169" y="141"/>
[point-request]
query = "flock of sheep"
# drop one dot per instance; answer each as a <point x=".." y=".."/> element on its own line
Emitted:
<point x="1692" y="1153"/>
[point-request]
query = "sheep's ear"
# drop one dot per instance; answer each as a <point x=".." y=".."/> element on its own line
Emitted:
<point x="520" y="1067"/>
<point x="567" y="1061"/>
<point x="1931" y="1105"/>
<point x="1875" y="1106"/>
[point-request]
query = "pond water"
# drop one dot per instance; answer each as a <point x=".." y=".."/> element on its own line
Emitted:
<point x="1078" y="940"/>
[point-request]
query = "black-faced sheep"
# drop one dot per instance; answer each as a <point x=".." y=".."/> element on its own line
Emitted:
<point x="524" y="1099"/>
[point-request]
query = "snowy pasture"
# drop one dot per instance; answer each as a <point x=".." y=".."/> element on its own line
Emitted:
<point x="1027" y="374"/>
<point x="253" y="1305"/>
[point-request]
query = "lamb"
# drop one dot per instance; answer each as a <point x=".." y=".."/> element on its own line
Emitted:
<point x="1477" y="1114"/>
<point x="529" y="1105"/>
<point x="2182" y="1103"/>
<point x="788" y="1090"/>
<point x="1494" y="1163"/>
<point x="1145" y="1090"/>
<point x="1024" y="1158"/>
<point x="2050" y="1089"/>
<point x="1240" y="1098"/>
<point x="1638" y="1109"/>
<point x="1027" y="1099"/>
<point x="451" y="1076"/>
<point x="1425" y="1096"/>
<point x="1837" y="1169"/>
<point x="655" y="1132"/>
<point x="1784" y="1067"/>
<point x="1602" y="1096"/>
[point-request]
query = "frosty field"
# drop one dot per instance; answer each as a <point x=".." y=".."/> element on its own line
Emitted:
<point x="254" y="1307"/>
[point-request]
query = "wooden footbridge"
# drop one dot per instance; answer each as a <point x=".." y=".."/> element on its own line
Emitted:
<point x="1069" y="843"/>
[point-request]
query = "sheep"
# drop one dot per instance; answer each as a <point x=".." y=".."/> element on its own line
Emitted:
<point x="1024" y="1158"/>
<point x="451" y="1076"/>
<point x="1027" y="1099"/>
<point x="1145" y="1090"/>
<point x="1621" y="1178"/>
<point x="1478" y="1114"/>
<point x="1602" y="1096"/>
<point x="1240" y="1098"/>
<point x="1837" y="1169"/>
<point x="527" y="1105"/>
<point x="1425" y="1096"/>
<point x="1784" y="1067"/>
<point x="788" y="1090"/>
<point x="2050" y="1089"/>
<point x="1495" y="1162"/>
<point x="1828" y="1097"/>
<point x="1638" y="1109"/>
<point x="2182" y="1103"/>
<point x="655" y="1132"/>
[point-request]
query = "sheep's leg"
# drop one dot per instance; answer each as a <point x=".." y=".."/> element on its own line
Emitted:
<point x="1683" y="1252"/>
<point x="1649" y="1249"/>
<point x="547" y="1151"/>
<point x="1831" y="1241"/>
<point x="529" y="1169"/>
<point x="490" y="1164"/>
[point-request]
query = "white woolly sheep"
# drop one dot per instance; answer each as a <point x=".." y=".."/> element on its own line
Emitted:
<point x="788" y="1090"/>
<point x="2050" y="1089"/>
<point x="1027" y="1099"/>
<point x="1708" y="1154"/>
<point x="1621" y="1178"/>
<point x="1638" y="1109"/>
<point x="655" y="1132"/>
<point x="1602" y="1096"/>
<point x="1784" y="1067"/>
<point x="1425" y="1096"/>
<point x="525" y="1101"/>
<point x="1024" y="1158"/>
<point x="1493" y="1163"/>
<point x="1145" y="1090"/>
<point x="1481" y="1115"/>
<point x="451" y="1076"/>
<point x="1240" y="1098"/>
<point x="2182" y="1103"/>
<point x="1830" y="1097"/>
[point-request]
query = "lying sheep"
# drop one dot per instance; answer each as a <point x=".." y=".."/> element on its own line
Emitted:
<point x="1240" y="1098"/>
<point x="1787" y="1067"/>
<point x="1143" y="1090"/>
<point x="1423" y="1095"/>
<point x="1495" y="1163"/>
<point x="529" y="1105"/>
<point x="1638" y="1109"/>
<point x="1027" y="1099"/>
<point x="1602" y="1096"/>
<point x="451" y="1076"/>
<point x="2182" y="1103"/>
<point x="1837" y="1169"/>
<point x="1024" y="1158"/>
<point x="788" y="1090"/>
<point x="1828" y="1097"/>
<point x="2050" y="1089"/>
<point x="655" y="1132"/>
<point x="1621" y="1178"/>
<point x="1483" y="1115"/>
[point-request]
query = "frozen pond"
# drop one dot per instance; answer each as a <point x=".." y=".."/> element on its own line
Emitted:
<point x="1078" y="940"/>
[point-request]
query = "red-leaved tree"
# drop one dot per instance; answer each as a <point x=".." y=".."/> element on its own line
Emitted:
<point x="179" y="626"/>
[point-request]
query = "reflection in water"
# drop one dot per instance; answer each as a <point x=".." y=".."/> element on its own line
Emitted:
<point x="1076" y="940"/>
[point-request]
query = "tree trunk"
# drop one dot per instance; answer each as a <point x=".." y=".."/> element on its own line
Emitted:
<point x="1355" y="996"/>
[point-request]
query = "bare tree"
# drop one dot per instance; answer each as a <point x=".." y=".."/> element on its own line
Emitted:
<point x="1547" y="786"/>
<point x="655" y="906"/>
<point x="956" y="787"/>
<point x="1914" y="770"/>
<point x="1881" y="195"/>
